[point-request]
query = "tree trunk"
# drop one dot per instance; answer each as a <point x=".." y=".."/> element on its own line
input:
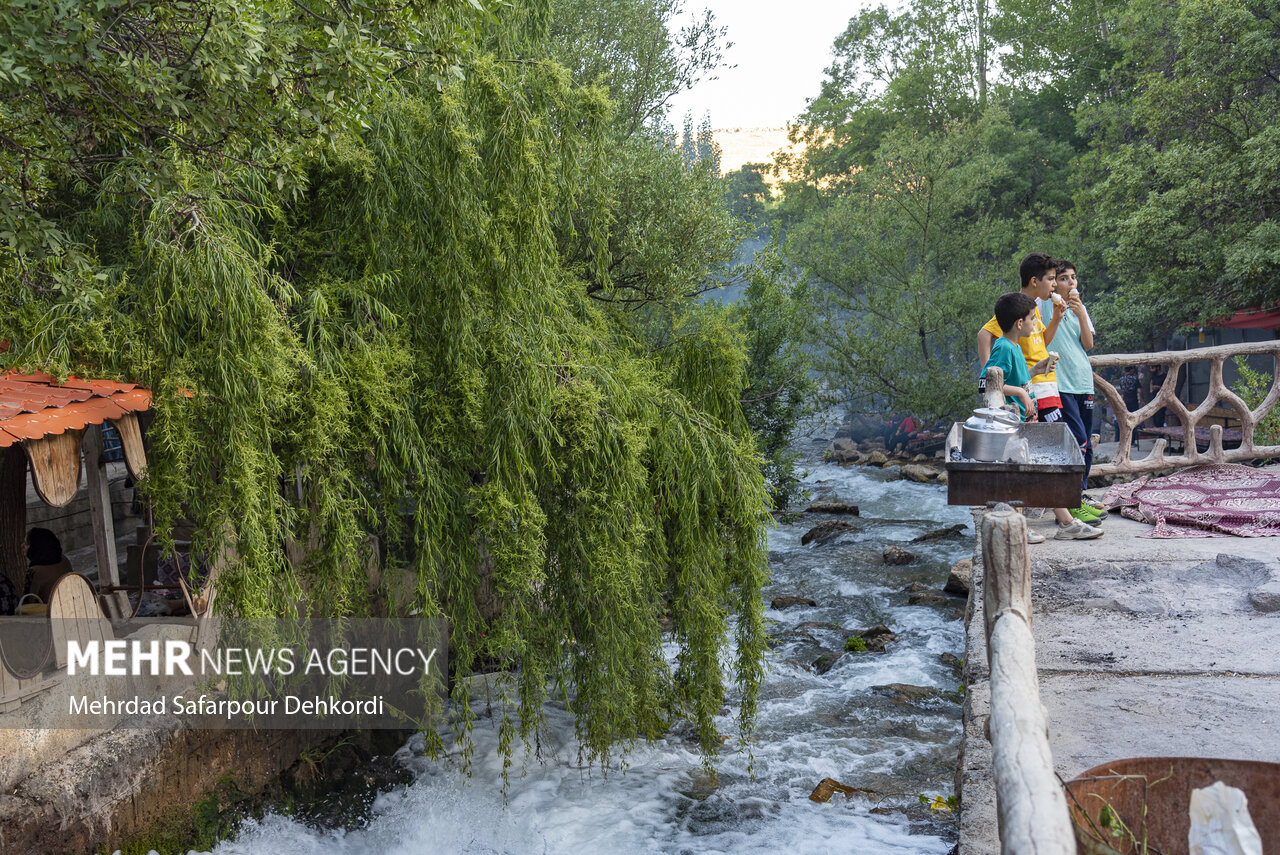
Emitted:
<point x="982" y="53"/>
<point x="13" y="514"/>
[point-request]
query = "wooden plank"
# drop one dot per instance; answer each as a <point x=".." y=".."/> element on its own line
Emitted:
<point x="135" y="454"/>
<point x="55" y="466"/>
<point x="104" y="530"/>
<point x="10" y="687"/>
<point x="74" y="613"/>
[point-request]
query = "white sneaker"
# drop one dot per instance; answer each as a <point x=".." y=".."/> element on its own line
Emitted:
<point x="1034" y="537"/>
<point x="1077" y="531"/>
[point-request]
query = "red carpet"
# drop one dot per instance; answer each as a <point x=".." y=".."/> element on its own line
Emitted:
<point x="1206" y="501"/>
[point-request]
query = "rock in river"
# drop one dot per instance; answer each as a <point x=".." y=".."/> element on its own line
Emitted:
<point x="877" y="638"/>
<point x="960" y="579"/>
<point x="939" y="534"/>
<point x="788" y="602"/>
<point x="826" y="661"/>
<point x="922" y="474"/>
<point x="833" y="508"/>
<point x="902" y="693"/>
<point x="897" y="555"/>
<point x="928" y="598"/>
<point x="827" y="531"/>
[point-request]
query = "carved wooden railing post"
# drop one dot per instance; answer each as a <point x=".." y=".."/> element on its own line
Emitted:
<point x="1176" y="361"/>
<point x="1032" y="809"/>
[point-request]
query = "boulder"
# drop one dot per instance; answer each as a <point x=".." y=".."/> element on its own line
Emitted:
<point x="944" y="478"/>
<point x="918" y="473"/>
<point x="940" y="533"/>
<point x="903" y="693"/>
<point x="787" y="602"/>
<point x="877" y="638"/>
<point x="893" y="473"/>
<point x="825" y="662"/>
<point x="832" y="508"/>
<point x="897" y="555"/>
<point x="877" y="458"/>
<point x="960" y="579"/>
<point x="928" y="598"/>
<point x="1266" y="598"/>
<point x="951" y="661"/>
<point x="844" y="451"/>
<point x="920" y="458"/>
<point x="793" y="636"/>
<point x="701" y="785"/>
<point x="827" y="531"/>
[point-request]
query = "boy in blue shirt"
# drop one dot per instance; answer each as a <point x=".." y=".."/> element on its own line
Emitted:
<point x="1016" y="314"/>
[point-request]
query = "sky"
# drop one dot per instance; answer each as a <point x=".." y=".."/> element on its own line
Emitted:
<point x="780" y="49"/>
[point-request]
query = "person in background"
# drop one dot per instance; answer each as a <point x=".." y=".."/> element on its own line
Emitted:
<point x="8" y="595"/>
<point x="1157" y="375"/>
<point x="46" y="563"/>
<point x="1075" y="374"/>
<point x="1127" y="386"/>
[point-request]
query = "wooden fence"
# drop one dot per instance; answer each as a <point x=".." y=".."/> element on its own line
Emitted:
<point x="1030" y="804"/>
<point x="1218" y="396"/>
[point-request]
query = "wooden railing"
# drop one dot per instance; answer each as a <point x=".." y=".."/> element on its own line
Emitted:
<point x="1030" y="804"/>
<point x="1176" y="360"/>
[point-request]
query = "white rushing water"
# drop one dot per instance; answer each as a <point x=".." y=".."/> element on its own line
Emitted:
<point x="811" y="726"/>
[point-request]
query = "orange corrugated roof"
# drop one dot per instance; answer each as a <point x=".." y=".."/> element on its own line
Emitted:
<point x="36" y="405"/>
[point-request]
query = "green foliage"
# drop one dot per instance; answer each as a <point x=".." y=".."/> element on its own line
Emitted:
<point x="856" y="644"/>
<point x="774" y="315"/>
<point x="114" y="88"/>
<point x="1253" y="388"/>
<point x="913" y="260"/>
<point x="746" y="192"/>
<point x="642" y="51"/>
<point x="1181" y="185"/>
<point x="417" y="349"/>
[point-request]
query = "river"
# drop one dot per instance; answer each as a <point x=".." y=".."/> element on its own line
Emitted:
<point x="811" y="726"/>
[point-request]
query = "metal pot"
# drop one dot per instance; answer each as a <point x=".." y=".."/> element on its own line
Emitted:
<point x="986" y="433"/>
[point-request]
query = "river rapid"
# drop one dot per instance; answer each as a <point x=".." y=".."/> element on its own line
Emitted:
<point x="811" y="726"/>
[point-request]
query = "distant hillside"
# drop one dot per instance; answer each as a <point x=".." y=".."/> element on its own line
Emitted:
<point x="750" y="145"/>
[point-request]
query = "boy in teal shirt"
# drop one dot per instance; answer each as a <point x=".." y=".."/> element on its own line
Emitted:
<point x="1015" y="313"/>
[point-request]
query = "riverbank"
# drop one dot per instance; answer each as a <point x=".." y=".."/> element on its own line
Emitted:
<point x="1144" y="647"/>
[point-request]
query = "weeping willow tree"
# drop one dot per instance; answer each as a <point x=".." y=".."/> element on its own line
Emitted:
<point x="364" y="334"/>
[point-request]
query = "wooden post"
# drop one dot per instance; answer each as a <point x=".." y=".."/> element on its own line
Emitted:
<point x="1031" y="807"/>
<point x="104" y="528"/>
<point x="13" y="514"/>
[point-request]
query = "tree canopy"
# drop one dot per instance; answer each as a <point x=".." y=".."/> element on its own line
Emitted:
<point x="403" y="261"/>
<point x="1133" y="138"/>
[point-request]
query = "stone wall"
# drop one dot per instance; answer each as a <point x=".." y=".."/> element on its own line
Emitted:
<point x="122" y="783"/>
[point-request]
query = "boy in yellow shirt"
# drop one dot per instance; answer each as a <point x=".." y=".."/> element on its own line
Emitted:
<point x="1038" y="273"/>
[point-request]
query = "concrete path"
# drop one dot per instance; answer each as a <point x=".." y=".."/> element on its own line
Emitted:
<point x="1144" y="648"/>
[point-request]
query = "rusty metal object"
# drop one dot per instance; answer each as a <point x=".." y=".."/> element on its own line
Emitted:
<point x="1036" y="485"/>
<point x="1162" y="787"/>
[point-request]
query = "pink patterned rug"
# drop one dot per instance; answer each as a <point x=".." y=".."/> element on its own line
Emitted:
<point x="1219" y="500"/>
